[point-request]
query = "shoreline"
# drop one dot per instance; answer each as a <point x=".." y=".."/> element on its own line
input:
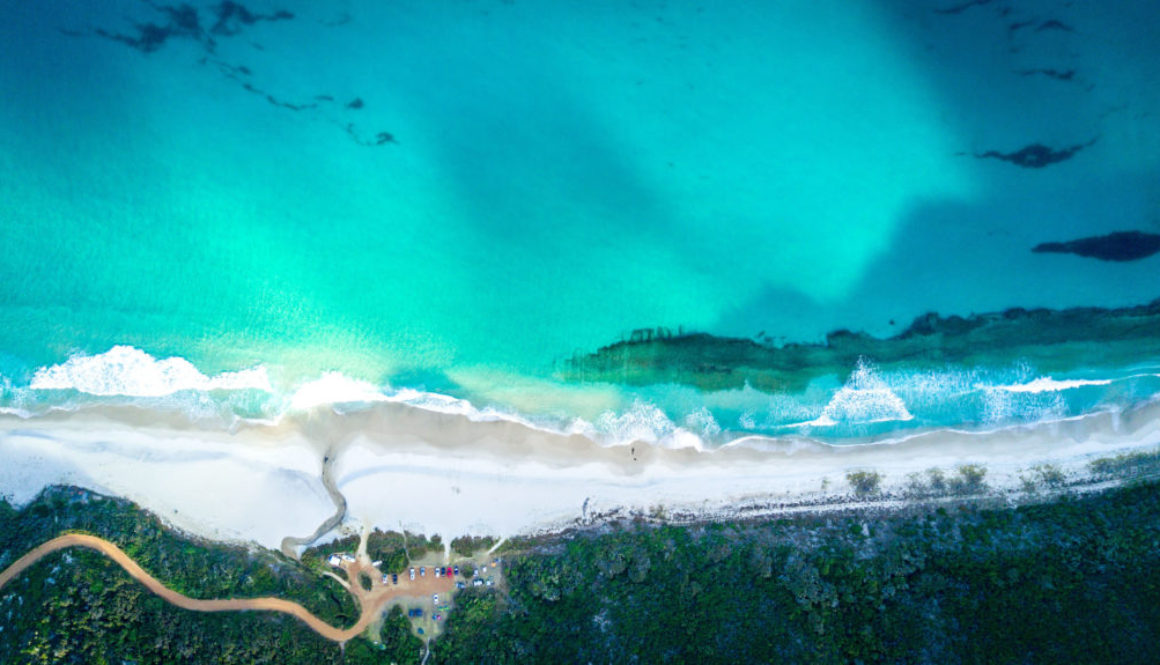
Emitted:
<point x="403" y="467"/>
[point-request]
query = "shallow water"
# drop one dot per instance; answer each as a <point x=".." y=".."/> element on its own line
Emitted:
<point x="523" y="181"/>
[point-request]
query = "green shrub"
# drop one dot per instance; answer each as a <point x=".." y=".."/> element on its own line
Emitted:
<point x="864" y="483"/>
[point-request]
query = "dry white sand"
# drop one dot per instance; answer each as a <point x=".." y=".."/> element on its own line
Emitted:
<point x="442" y="473"/>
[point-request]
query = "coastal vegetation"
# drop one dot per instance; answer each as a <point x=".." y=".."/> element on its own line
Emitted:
<point x="1075" y="580"/>
<point x="468" y="545"/>
<point x="76" y="606"/>
<point x="960" y="581"/>
<point x="864" y="483"/>
<point x="394" y="549"/>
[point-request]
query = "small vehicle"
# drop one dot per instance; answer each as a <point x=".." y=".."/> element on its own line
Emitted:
<point x="435" y="616"/>
<point x="412" y="573"/>
<point x="436" y="572"/>
<point x="457" y="570"/>
<point x="435" y="598"/>
<point x="394" y="578"/>
<point x="422" y="571"/>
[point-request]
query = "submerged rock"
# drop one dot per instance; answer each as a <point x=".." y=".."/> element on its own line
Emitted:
<point x="1051" y="340"/>
<point x="1036" y="155"/>
<point x="1119" y="246"/>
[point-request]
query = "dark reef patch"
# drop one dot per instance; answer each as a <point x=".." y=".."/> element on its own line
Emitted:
<point x="1054" y="25"/>
<point x="959" y="9"/>
<point x="1060" y="75"/>
<point x="183" y="20"/>
<point x="1019" y="25"/>
<point x="381" y="138"/>
<point x="1118" y="246"/>
<point x="1050" y="340"/>
<point x="149" y="37"/>
<point x="1036" y="155"/>
<point x="232" y="17"/>
<point x="227" y="19"/>
<point x="278" y="102"/>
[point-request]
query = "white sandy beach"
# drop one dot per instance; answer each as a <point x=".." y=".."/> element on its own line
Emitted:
<point x="401" y="466"/>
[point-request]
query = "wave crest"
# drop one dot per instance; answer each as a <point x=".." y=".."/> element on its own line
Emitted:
<point x="131" y="372"/>
<point x="864" y="399"/>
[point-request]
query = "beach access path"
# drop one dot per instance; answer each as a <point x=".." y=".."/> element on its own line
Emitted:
<point x="371" y="602"/>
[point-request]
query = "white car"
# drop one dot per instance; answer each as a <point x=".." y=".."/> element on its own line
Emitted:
<point x="412" y="573"/>
<point x="435" y="598"/>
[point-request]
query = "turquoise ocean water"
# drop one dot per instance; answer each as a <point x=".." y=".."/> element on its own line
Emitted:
<point x="448" y="199"/>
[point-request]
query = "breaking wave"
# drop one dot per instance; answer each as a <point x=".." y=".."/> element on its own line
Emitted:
<point x="128" y="371"/>
<point x="865" y="399"/>
<point x="867" y="403"/>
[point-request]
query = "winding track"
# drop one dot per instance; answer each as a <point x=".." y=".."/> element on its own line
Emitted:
<point x="370" y="608"/>
<point x="290" y="544"/>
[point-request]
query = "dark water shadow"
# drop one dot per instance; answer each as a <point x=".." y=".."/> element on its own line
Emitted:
<point x="974" y="257"/>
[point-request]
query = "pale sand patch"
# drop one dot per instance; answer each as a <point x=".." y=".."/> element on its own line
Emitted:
<point x="442" y="473"/>
<point x="208" y="483"/>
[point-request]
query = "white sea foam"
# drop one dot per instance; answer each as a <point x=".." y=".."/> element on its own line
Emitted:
<point x="334" y="388"/>
<point x="1000" y="406"/>
<point x="1047" y="384"/>
<point x="129" y="371"/>
<point x="1005" y="395"/>
<point x="703" y="421"/>
<point x="643" y="422"/>
<point x="864" y="399"/>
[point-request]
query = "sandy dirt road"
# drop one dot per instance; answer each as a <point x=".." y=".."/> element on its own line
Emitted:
<point x="371" y="602"/>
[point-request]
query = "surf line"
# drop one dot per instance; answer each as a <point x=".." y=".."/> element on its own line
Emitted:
<point x="185" y="602"/>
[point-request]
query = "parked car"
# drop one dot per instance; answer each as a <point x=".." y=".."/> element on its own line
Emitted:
<point x="412" y="573"/>
<point x="422" y="571"/>
<point x="457" y="570"/>
<point x="394" y="578"/>
<point x="435" y="598"/>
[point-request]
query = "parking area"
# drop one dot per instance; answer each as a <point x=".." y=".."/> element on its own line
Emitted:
<point x="424" y="592"/>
